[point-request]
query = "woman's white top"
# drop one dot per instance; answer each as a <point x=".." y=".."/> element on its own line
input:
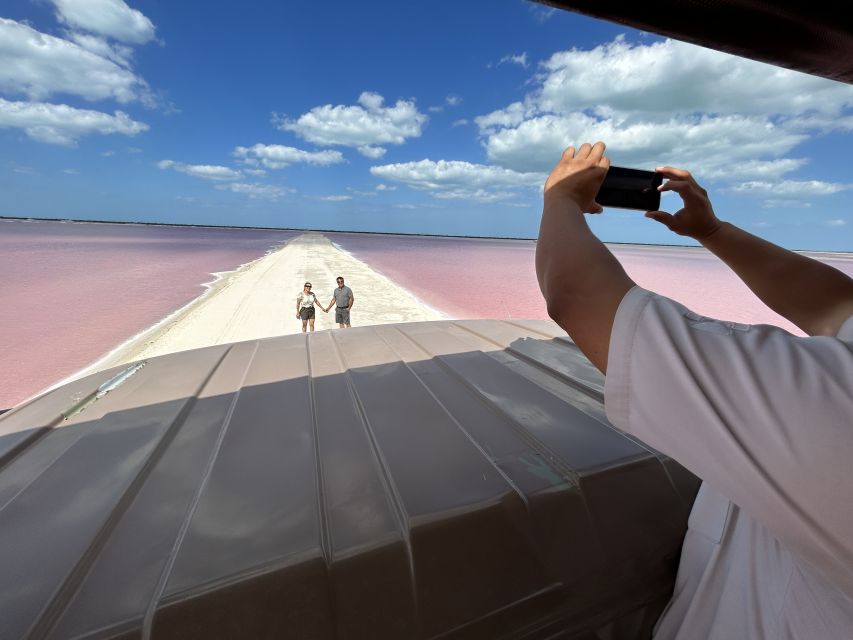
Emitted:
<point x="306" y="299"/>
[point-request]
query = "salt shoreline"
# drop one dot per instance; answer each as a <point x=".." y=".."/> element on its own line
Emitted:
<point x="257" y="300"/>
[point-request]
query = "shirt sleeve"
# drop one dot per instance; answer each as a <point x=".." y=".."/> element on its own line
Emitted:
<point x="764" y="417"/>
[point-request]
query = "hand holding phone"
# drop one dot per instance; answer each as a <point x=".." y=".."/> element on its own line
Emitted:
<point x="630" y="189"/>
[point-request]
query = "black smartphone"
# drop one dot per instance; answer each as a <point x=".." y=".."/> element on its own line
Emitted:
<point x="630" y="189"/>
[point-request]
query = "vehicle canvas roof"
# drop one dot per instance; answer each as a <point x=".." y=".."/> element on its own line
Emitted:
<point x="812" y="37"/>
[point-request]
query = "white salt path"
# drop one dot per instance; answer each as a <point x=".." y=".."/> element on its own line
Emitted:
<point x="259" y="301"/>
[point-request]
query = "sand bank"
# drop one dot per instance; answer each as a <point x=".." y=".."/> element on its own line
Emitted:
<point x="259" y="301"/>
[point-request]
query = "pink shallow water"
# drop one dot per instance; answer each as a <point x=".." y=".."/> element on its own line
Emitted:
<point x="472" y="278"/>
<point x="70" y="293"/>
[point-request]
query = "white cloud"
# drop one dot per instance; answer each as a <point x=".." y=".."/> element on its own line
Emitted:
<point x="385" y="187"/>
<point x="256" y="191"/>
<point x="369" y="194"/>
<point x="453" y="101"/>
<point x="422" y="205"/>
<point x="371" y="152"/>
<point x="71" y="172"/>
<point x="782" y="203"/>
<point x="27" y="171"/>
<point x="669" y="76"/>
<point x="108" y="153"/>
<point x="788" y="193"/>
<point x="788" y="189"/>
<point x="277" y="156"/>
<point x="334" y="198"/>
<point x="668" y="102"/>
<point x="510" y="116"/>
<point x="365" y="126"/>
<point x="519" y="59"/>
<point x="38" y="65"/>
<point x="458" y="179"/>
<point x="460" y="122"/>
<point x="118" y="53"/>
<point x="205" y="171"/>
<point x="61" y="124"/>
<point x="838" y="222"/>
<point x="449" y="101"/>
<point x="541" y="14"/>
<point x="23" y="169"/>
<point x="710" y="147"/>
<point x="111" y="18"/>
<point x="820" y="122"/>
<point x="761" y="169"/>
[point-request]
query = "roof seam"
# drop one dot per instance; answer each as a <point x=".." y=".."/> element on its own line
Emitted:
<point x="527" y="437"/>
<point x="322" y="508"/>
<point x="525" y="327"/>
<point x="64" y="594"/>
<point x="39" y="432"/>
<point x="459" y="426"/>
<point x="148" y="618"/>
<point x="391" y="491"/>
<point x="593" y="393"/>
<point x="325" y="531"/>
<point x="573" y="382"/>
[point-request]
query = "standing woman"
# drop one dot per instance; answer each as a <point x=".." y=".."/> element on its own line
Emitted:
<point x="305" y="307"/>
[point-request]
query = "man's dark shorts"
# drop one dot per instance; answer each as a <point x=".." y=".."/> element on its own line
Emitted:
<point x="306" y="313"/>
<point x="341" y="315"/>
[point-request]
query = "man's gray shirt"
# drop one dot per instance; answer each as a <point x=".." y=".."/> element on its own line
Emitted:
<point x="342" y="296"/>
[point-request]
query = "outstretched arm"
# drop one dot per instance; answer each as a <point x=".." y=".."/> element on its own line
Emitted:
<point x="814" y="296"/>
<point x="582" y="282"/>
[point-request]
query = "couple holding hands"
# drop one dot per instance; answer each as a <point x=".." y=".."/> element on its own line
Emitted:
<point x="342" y="298"/>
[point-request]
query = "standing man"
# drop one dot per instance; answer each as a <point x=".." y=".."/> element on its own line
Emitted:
<point x="764" y="417"/>
<point x="342" y="298"/>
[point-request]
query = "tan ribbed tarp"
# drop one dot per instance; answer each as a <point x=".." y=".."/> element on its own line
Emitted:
<point x="812" y="37"/>
<point x="425" y="480"/>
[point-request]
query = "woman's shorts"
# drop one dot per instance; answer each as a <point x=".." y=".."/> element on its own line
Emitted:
<point x="306" y="313"/>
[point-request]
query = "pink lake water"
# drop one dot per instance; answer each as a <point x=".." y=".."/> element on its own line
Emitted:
<point x="71" y="292"/>
<point x="473" y="278"/>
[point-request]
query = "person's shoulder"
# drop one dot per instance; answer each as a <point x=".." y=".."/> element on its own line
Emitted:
<point x="845" y="333"/>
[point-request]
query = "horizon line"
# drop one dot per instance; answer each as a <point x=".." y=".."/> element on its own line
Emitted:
<point x="374" y="233"/>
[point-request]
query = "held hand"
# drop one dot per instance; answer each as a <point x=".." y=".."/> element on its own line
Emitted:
<point x="297" y="316"/>
<point x="697" y="219"/>
<point x="578" y="176"/>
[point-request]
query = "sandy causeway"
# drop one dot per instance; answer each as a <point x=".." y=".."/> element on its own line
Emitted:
<point x="258" y="300"/>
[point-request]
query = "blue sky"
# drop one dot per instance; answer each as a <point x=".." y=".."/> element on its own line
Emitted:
<point x="440" y="117"/>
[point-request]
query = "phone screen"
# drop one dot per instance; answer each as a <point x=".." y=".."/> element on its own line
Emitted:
<point x="630" y="189"/>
